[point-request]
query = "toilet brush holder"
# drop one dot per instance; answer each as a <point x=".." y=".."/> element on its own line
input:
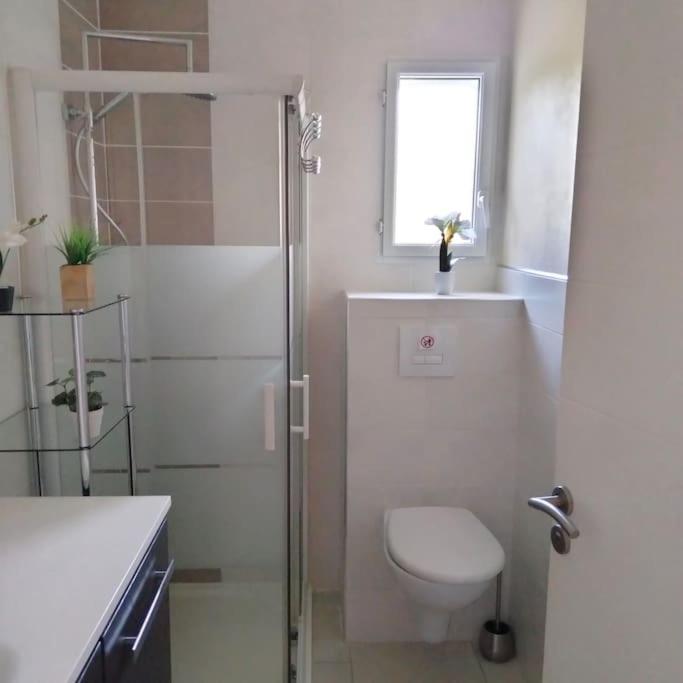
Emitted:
<point x="496" y="640"/>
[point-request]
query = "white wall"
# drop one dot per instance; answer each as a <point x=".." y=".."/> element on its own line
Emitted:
<point x="426" y="441"/>
<point x="29" y="35"/>
<point x="544" y="119"/>
<point x="535" y="473"/>
<point x="342" y="49"/>
<point x="620" y="428"/>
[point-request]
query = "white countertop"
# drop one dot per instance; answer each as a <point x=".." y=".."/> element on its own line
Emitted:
<point x="64" y="565"/>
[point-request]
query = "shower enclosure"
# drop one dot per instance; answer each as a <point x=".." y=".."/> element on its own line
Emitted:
<point x="198" y="182"/>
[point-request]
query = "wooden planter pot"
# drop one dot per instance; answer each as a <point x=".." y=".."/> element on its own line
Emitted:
<point x="78" y="283"/>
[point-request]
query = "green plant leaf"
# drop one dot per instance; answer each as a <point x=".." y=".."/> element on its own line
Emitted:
<point x="97" y="373"/>
<point x="60" y="399"/>
<point x="79" y="246"/>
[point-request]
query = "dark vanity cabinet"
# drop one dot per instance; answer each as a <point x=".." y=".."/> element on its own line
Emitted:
<point x="94" y="669"/>
<point x="136" y="644"/>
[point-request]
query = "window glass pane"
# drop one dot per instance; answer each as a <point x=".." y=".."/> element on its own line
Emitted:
<point x="436" y="154"/>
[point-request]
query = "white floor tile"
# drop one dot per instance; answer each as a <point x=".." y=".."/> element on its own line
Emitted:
<point x="328" y="635"/>
<point x="226" y="633"/>
<point x="451" y="662"/>
<point x="414" y="662"/>
<point x="332" y="672"/>
<point x="502" y="673"/>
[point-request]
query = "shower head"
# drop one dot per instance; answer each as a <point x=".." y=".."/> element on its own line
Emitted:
<point x="112" y="104"/>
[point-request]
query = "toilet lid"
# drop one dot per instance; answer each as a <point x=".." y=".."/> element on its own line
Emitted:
<point x="443" y="544"/>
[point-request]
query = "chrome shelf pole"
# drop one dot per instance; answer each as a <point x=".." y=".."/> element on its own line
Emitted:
<point x="32" y="398"/>
<point x="124" y="328"/>
<point x="81" y="398"/>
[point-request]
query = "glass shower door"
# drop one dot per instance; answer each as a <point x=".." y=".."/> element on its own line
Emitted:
<point x="215" y="267"/>
<point x="192" y="198"/>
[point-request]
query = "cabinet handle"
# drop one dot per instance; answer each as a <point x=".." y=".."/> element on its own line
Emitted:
<point x="139" y="640"/>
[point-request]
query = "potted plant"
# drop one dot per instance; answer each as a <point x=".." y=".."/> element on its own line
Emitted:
<point x="449" y="225"/>
<point x="11" y="238"/>
<point x="80" y="248"/>
<point x="67" y="397"/>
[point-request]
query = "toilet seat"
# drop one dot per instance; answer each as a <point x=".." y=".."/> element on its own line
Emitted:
<point x="443" y="544"/>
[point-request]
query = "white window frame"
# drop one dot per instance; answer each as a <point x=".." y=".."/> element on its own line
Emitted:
<point x="487" y="73"/>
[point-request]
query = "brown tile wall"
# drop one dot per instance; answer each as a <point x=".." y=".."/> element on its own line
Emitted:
<point x="188" y="16"/>
<point x="76" y="16"/>
<point x="176" y="129"/>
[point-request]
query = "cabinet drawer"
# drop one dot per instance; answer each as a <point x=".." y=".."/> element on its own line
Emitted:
<point x="93" y="672"/>
<point x="136" y="643"/>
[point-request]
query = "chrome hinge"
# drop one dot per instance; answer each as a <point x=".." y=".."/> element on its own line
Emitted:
<point x="380" y="226"/>
<point x="383" y="98"/>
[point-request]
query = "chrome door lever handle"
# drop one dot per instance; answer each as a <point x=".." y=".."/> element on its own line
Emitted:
<point x="550" y="505"/>
<point x="558" y="506"/>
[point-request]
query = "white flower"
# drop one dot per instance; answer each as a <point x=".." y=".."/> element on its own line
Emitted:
<point x="12" y="238"/>
<point x="454" y="217"/>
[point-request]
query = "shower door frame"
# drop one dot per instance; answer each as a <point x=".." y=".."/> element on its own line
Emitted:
<point x="289" y="90"/>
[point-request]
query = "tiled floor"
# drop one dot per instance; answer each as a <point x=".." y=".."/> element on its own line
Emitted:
<point x="226" y="632"/>
<point x="334" y="661"/>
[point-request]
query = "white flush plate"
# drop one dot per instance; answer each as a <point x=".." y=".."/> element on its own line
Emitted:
<point x="427" y="350"/>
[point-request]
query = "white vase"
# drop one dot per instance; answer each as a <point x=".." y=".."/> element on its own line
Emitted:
<point x="444" y="283"/>
<point x="94" y="422"/>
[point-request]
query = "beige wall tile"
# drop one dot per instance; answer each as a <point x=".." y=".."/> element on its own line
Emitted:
<point x="70" y="28"/>
<point x="80" y="211"/>
<point x="175" y="120"/>
<point x="179" y="223"/>
<point x="127" y="215"/>
<point x="122" y="173"/>
<point x="166" y="120"/>
<point x="120" y="55"/>
<point x="152" y="15"/>
<point x="119" y="123"/>
<point x="178" y="174"/>
<point x="87" y="8"/>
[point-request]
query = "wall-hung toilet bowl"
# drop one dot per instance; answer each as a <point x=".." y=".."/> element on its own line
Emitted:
<point x="443" y="558"/>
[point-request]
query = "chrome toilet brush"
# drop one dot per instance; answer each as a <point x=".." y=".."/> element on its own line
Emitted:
<point x="496" y="640"/>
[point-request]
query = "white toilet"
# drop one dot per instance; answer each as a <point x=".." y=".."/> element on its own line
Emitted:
<point x="444" y="559"/>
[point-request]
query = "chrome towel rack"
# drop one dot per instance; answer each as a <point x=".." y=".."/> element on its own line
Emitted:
<point x="311" y="131"/>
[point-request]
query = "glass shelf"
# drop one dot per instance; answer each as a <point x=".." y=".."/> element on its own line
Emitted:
<point x="44" y="306"/>
<point x="58" y="431"/>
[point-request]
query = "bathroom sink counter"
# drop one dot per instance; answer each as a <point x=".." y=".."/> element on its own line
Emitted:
<point x="65" y="564"/>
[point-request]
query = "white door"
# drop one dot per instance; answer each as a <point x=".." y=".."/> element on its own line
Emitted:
<point x="615" y="606"/>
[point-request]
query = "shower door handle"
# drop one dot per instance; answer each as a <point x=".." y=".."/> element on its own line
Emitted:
<point x="269" y="416"/>
<point x="304" y="384"/>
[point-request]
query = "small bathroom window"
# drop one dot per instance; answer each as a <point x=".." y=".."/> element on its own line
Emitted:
<point x="440" y="124"/>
